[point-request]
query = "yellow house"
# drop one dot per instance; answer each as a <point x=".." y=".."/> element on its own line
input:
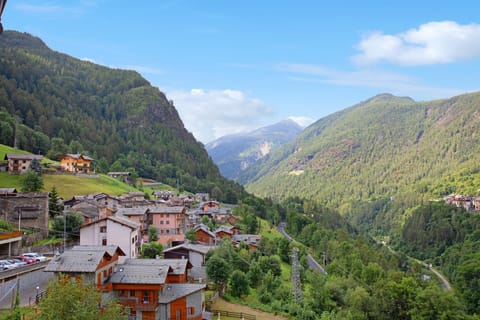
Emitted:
<point x="76" y="163"/>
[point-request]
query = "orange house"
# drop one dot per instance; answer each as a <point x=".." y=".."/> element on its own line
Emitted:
<point x="94" y="263"/>
<point x="76" y="163"/>
<point x="150" y="289"/>
<point x="204" y="235"/>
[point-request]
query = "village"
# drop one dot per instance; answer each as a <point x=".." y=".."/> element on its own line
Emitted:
<point x="108" y="252"/>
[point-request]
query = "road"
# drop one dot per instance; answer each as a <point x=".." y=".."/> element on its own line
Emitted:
<point x="312" y="263"/>
<point x="28" y="284"/>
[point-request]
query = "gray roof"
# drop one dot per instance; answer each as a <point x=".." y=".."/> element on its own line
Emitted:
<point x="118" y="219"/>
<point x="139" y="274"/>
<point x="110" y="249"/>
<point x="166" y="209"/>
<point x="76" y="261"/>
<point x="16" y="156"/>
<point x="131" y="211"/>
<point x="192" y="247"/>
<point x="77" y="156"/>
<point x="178" y="266"/>
<point x="8" y="190"/>
<point x="174" y="291"/>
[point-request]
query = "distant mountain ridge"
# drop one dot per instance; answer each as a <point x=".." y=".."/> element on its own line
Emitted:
<point x="235" y="153"/>
<point x="385" y="147"/>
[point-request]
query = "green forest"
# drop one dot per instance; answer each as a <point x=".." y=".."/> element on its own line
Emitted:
<point x="52" y="104"/>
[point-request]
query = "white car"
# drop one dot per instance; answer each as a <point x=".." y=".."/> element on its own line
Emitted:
<point x="5" y="265"/>
<point x="36" y="256"/>
<point x="17" y="262"/>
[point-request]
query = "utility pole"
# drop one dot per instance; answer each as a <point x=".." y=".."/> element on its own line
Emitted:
<point x="296" y="282"/>
<point x="64" y="229"/>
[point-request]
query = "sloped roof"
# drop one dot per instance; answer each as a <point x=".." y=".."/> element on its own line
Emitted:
<point x="166" y="209"/>
<point x="139" y="274"/>
<point x="200" y="248"/>
<point x="77" y="156"/>
<point x="118" y="219"/>
<point x="17" y="156"/>
<point x="176" y="266"/>
<point x="77" y="261"/>
<point x="131" y="211"/>
<point x="174" y="291"/>
<point x="110" y="249"/>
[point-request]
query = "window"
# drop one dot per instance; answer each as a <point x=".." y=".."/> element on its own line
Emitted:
<point x="178" y="314"/>
<point x="146" y="297"/>
<point x="167" y="222"/>
<point x="191" y="311"/>
<point x="104" y="242"/>
<point x="133" y="240"/>
<point x="161" y="222"/>
<point x="103" y="229"/>
<point x="132" y="293"/>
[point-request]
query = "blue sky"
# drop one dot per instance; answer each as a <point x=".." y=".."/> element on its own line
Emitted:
<point x="232" y="66"/>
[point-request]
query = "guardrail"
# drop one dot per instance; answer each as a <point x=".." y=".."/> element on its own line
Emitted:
<point x="239" y="315"/>
<point x="14" y="273"/>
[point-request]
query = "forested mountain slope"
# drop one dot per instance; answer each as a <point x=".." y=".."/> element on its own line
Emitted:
<point x="235" y="153"/>
<point x="62" y="104"/>
<point x="386" y="147"/>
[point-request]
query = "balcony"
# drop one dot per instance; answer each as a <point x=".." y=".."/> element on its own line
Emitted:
<point x="132" y="304"/>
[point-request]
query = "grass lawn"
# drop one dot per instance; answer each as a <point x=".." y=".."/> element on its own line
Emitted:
<point x="221" y="304"/>
<point x="70" y="185"/>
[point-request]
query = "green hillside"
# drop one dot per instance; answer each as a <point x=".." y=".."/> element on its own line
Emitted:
<point x="69" y="185"/>
<point x="384" y="148"/>
<point x="54" y="104"/>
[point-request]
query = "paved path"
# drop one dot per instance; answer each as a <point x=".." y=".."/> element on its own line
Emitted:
<point x="28" y="284"/>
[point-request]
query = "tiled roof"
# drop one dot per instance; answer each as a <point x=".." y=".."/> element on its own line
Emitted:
<point x="110" y="249"/>
<point x="131" y="211"/>
<point x="139" y="274"/>
<point x="165" y="209"/>
<point x="177" y="266"/>
<point x="15" y="156"/>
<point x="76" y="261"/>
<point x="192" y="247"/>
<point x="174" y="291"/>
<point x="118" y="219"/>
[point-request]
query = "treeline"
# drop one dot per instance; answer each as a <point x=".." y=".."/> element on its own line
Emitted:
<point x="52" y="104"/>
<point x="450" y="238"/>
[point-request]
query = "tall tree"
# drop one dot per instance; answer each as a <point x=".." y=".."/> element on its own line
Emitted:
<point x="54" y="208"/>
<point x="218" y="271"/>
<point x="31" y="182"/>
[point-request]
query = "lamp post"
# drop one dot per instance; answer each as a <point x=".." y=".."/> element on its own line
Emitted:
<point x="37" y="298"/>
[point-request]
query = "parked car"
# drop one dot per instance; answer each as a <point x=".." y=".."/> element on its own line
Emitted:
<point x="27" y="260"/>
<point x="17" y="262"/>
<point x="5" y="265"/>
<point x="34" y="255"/>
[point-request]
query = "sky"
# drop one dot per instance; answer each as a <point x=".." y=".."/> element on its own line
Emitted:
<point x="233" y="66"/>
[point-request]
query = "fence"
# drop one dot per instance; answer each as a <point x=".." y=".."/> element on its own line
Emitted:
<point x="239" y="315"/>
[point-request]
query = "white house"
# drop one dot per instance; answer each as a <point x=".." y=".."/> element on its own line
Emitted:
<point x="113" y="230"/>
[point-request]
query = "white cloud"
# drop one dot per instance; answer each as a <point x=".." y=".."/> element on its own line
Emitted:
<point x="385" y="81"/>
<point x="88" y="59"/>
<point x="431" y="43"/>
<point x="210" y="114"/>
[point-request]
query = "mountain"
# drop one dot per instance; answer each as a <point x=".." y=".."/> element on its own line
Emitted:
<point x="387" y="147"/>
<point x="235" y="153"/>
<point x="52" y="103"/>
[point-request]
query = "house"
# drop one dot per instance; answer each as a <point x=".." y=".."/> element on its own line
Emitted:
<point x="89" y="211"/>
<point x="75" y="162"/>
<point x="138" y="215"/>
<point x="113" y="230"/>
<point x="169" y="222"/>
<point x="195" y="253"/>
<point x="164" y="195"/>
<point x="225" y="232"/>
<point x="121" y="175"/>
<point x="133" y="199"/>
<point x="95" y="264"/>
<point x="207" y="205"/>
<point x="251" y="240"/>
<point x="19" y="163"/>
<point x="26" y="210"/>
<point x="204" y="235"/>
<point x="145" y="287"/>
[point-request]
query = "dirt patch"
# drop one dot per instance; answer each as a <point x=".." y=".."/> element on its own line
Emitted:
<point x="221" y="304"/>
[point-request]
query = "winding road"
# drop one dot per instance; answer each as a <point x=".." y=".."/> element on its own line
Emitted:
<point x="312" y="263"/>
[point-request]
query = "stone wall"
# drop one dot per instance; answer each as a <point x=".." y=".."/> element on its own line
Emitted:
<point x="27" y="210"/>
